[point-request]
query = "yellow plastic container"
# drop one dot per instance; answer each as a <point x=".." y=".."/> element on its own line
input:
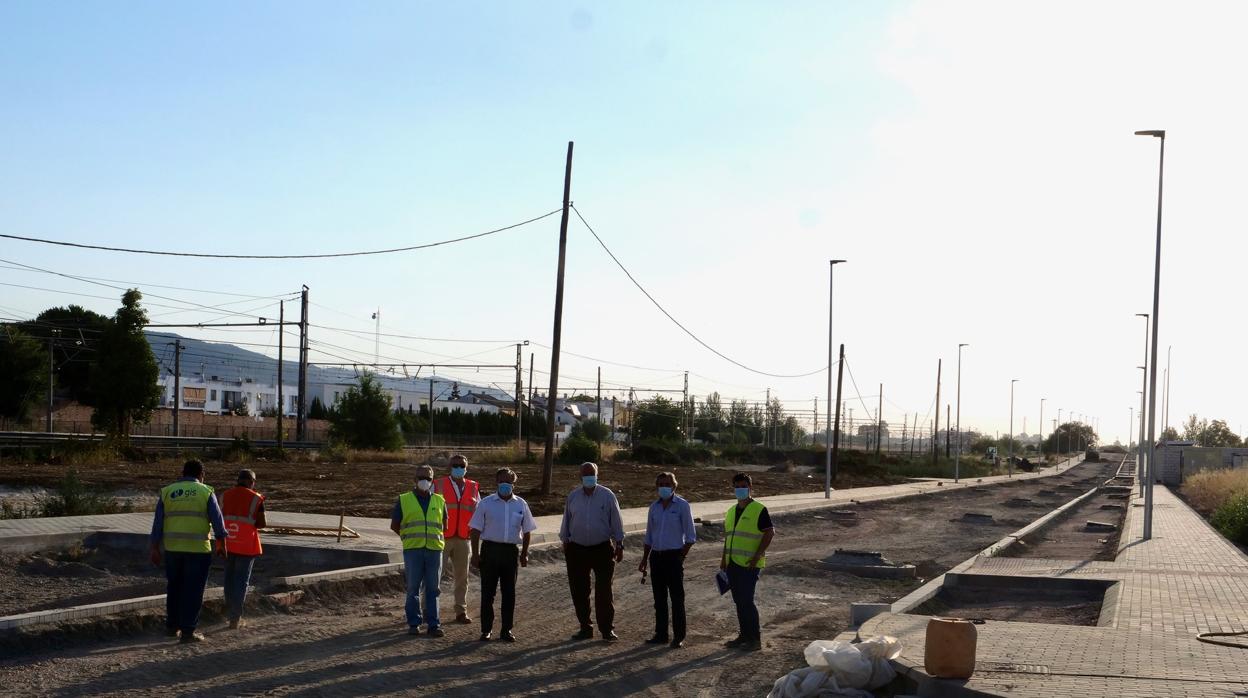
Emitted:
<point x="949" y="650"/>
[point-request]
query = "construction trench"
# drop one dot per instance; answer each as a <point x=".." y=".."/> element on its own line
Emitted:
<point x="345" y="635"/>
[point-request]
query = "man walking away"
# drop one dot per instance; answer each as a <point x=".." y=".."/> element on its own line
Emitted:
<point x="462" y="496"/>
<point x="419" y="517"/>
<point x="747" y="533"/>
<point x="499" y="532"/>
<point x="592" y="533"/>
<point x="185" y="514"/>
<point x="243" y="508"/>
<point x="669" y="536"/>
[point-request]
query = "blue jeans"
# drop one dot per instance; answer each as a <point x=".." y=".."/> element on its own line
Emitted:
<point x="424" y="568"/>
<point x="187" y="575"/>
<point x="744" y="581"/>
<point x="237" y="575"/>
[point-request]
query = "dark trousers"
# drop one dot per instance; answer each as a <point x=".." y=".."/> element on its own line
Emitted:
<point x="744" y="580"/>
<point x="500" y="563"/>
<point x="187" y="574"/>
<point x="598" y="559"/>
<point x="667" y="578"/>
<point x="237" y="577"/>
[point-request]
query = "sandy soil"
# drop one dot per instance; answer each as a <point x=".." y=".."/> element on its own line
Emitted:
<point x="357" y="647"/>
<point x="1070" y="538"/>
<point x="1015" y="605"/>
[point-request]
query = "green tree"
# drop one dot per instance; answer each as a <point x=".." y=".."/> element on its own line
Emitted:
<point x="1169" y="434"/>
<point x="711" y="417"/>
<point x="658" y="418"/>
<point x="23" y="372"/>
<point x="317" y="409"/>
<point x="1214" y="434"/>
<point x="363" y="418"/>
<point x="123" y="378"/>
<point x="77" y="332"/>
<point x="1068" y="437"/>
<point x="593" y="429"/>
<point x="739" y="424"/>
<point x="1194" y="427"/>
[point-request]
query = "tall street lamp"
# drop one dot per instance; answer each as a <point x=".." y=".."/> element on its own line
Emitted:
<point x="1139" y="459"/>
<point x="827" y="468"/>
<point x="1152" y="377"/>
<point x="1011" y="458"/>
<point x="957" y="458"/>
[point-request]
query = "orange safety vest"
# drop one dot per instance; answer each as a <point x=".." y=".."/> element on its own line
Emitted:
<point x="239" y="506"/>
<point x="458" y="509"/>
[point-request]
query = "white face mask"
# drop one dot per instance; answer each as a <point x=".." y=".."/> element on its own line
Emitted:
<point x="424" y="485"/>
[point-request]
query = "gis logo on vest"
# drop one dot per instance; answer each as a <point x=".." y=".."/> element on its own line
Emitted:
<point x="181" y="492"/>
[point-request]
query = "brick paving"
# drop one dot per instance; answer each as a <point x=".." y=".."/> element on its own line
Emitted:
<point x="1188" y="579"/>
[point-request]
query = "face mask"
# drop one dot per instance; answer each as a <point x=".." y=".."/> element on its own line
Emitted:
<point x="424" y="485"/>
<point x="458" y="471"/>
<point x="589" y="480"/>
<point x="665" y="493"/>
<point x="741" y="492"/>
<point x="504" y="489"/>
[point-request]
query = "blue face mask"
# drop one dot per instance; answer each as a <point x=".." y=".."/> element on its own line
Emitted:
<point x="741" y="492"/>
<point x="458" y="472"/>
<point x="665" y="493"/>
<point x="504" y="489"/>
<point x="589" y="480"/>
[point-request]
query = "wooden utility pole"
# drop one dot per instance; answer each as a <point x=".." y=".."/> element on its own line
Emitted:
<point x="836" y="431"/>
<point x="948" y="441"/>
<point x="51" y="376"/>
<point x="301" y="415"/>
<point x="936" y="424"/>
<point x="430" y="411"/>
<point x="599" y="415"/>
<point x="548" y="462"/>
<point x="281" y="331"/>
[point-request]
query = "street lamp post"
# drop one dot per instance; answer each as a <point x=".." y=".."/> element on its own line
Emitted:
<point x="1042" y="427"/>
<point x="1010" y="461"/>
<point x="1152" y="378"/>
<point x="1140" y="456"/>
<point x="827" y="468"/>
<point x="957" y="458"/>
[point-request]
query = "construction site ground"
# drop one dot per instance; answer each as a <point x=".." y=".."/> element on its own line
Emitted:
<point x="355" y="643"/>
<point x="369" y="489"/>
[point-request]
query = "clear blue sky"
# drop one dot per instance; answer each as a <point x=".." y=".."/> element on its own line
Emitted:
<point x="957" y="156"/>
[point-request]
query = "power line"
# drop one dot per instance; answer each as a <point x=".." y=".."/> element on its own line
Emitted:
<point x="208" y="255"/>
<point x="677" y="322"/>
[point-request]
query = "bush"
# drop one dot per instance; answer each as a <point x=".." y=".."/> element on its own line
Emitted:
<point x="577" y="450"/>
<point x="73" y="498"/>
<point x="1208" y="490"/>
<point x="1231" y="519"/>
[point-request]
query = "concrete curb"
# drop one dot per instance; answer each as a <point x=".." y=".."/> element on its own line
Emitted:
<point x="94" y="610"/>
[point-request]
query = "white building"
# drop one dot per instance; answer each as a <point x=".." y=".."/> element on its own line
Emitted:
<point x="213" y="395"/>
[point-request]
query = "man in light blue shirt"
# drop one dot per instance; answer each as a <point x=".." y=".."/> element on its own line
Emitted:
<point x="592" y="533"/>
<point x="669" y="536"/>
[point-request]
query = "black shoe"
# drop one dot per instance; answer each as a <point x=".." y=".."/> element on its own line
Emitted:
<point x="657" y="640"/>
<point x="486" y="636"/>
<point x="585" y="634"/>
<point x="171" y="632"/>
<point x="188" y="638"/>
<point x="436" y="632"/>
<point x="752" y="645"/>
<point x="506" y="636"/>
<point x="610" y="636"/>
<point x="677" y="643"/>
<point x="736" y="642"/>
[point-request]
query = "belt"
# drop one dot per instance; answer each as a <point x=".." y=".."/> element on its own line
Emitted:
<point x="495" y="542"/>
<point x="665" y="552"/>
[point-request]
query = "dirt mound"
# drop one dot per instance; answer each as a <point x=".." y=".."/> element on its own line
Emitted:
<point x="38" y="564"/>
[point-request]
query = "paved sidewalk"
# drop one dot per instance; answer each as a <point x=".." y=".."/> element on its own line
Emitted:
<point x="1186" y="580"/>
<point x="375" y="534"/>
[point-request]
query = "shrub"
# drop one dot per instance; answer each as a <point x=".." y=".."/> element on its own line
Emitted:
<point x="1208" y="490"/>
<point x="577" y="450"/>
<point x="1231" y="519"/>
<point x="72" y="497"/>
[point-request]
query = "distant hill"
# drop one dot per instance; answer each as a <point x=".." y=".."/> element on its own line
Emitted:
<point x="230" y="362"/>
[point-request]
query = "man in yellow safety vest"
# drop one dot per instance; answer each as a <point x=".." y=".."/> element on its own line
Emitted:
<point x="185" y="512"/>
<point x="747" y="533"/>
<point x="419" y="517"/>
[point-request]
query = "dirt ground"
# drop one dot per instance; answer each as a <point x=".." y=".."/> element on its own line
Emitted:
<point x="56" y="579"/>
<point x="369" y="489"/>
<point x="357" y="646"/>
<point x="1071" y="539"/>
<point x="1015" y="605"/>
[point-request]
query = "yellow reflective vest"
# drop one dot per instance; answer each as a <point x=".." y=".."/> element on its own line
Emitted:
<point x="742" y="536"/>
<point x="422" y="529"/>
<point x="186" y="526"/>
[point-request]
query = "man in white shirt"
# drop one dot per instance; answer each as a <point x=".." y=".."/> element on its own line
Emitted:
<point x="499" y="532"/>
